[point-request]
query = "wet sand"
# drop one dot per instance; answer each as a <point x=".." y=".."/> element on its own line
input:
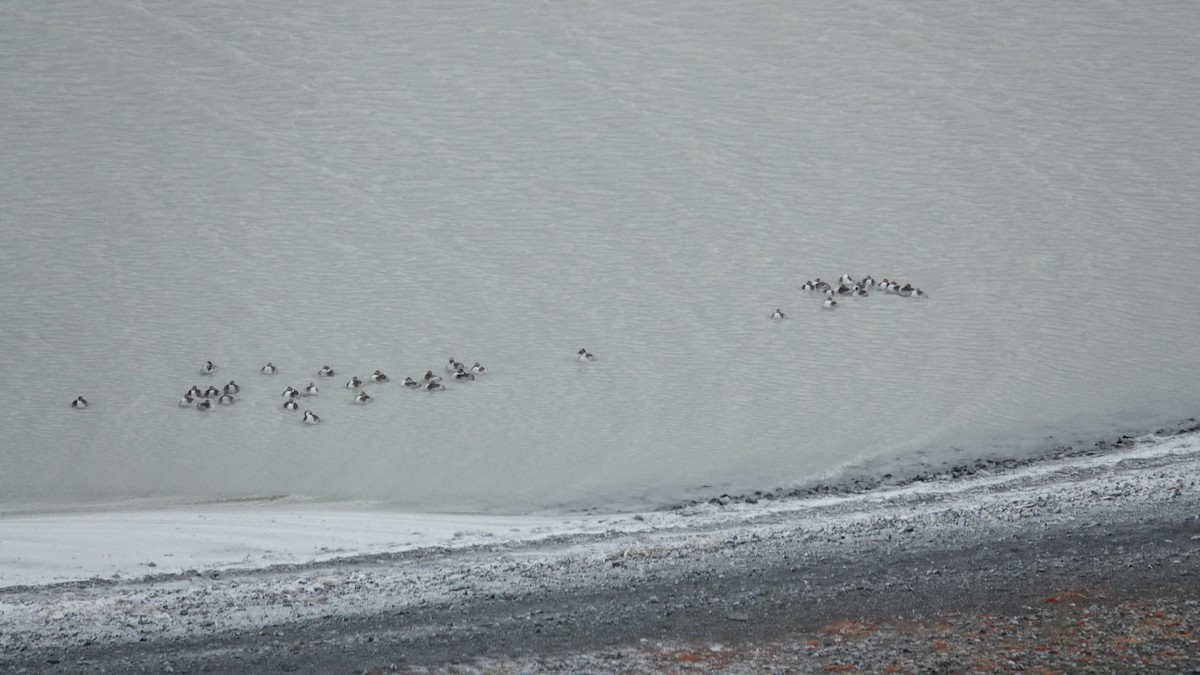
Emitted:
<point x="1081" y="564"/>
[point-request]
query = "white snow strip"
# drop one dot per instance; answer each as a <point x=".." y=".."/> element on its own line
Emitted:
<point x="51" y="548"/>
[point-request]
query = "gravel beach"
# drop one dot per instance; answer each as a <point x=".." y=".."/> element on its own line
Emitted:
<point x="1084" y="563"/>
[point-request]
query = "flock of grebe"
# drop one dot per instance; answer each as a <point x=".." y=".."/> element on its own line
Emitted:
<point x="203" y="399"/>
<point x="847" y="286"/>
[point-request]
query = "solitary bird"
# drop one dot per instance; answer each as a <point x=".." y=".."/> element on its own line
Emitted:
<point x="269" y="369"/>
<point x="208" y="368"/>
<point x="79" y="403"/>
<point x="778" y="314"/>
<point x="585" y="355"/>
<point x="311" y="418"/>
<point x="325" y="371"/>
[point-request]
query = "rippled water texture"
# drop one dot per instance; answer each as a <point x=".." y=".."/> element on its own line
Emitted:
<point x="385" y="185"/>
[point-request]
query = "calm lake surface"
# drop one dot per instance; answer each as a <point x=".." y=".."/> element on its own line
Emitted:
<point x="377" y="185"/>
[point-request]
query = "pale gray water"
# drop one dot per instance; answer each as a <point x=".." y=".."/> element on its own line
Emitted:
<point x="384" y="185"/>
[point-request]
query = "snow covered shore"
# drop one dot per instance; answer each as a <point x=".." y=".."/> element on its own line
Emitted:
<point x="234" y="569"/>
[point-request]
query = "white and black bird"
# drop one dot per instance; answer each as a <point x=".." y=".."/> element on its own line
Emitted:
<point x="363" y="397"/>
<point x="777" y="314"/>
<point x="79" y="403"/>
<point x="226" y="399"/>
<point x="411" y="383"/>
<point x="291" y="392"/>
<point x="325" y="371"/>
<point x="311" y="389"/>
<point x="187" y="401"/>
<point x="585" y="355"/>
<point x="208" y="368"/>
<point x="354" y="383"/>
<point x="434" y="386"/>
<point x="829" y="303"/>
<point x="430" y="377"/>
<point x="478" y="369"/>
<point x="232" y="387"/>
<point x="291" y="404"/>
<point x="379" y="378"/>
<point x="212" y="392"/>
<point x="269" y="369"/>
<point x="204" y="405"/>
<point x="310" y="417"/>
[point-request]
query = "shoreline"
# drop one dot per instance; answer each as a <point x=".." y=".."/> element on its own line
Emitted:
<point x="899" y="475"/>
<point x="448" y="531"/>
<point x="698" y="575"/>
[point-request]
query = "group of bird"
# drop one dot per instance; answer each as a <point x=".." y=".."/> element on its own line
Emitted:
<point x="861" y="288"/>
<point x="430" y="382"/>
<point x="202" y="400"/>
